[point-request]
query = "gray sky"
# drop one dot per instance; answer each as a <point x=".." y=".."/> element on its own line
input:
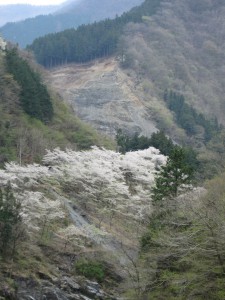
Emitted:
<point x="33" y="2"/>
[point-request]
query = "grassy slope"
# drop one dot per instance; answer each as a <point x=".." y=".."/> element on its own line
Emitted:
<point x="25" y="139"/>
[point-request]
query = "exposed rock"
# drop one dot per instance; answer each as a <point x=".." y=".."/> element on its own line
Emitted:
<point x="93" y="289"/>
<point x="7" y="293"/>
<point x="53" y="293"/>
<point x="104" y="96"/>
<point x="68" y="284"/>
<point x="65" y="288"/>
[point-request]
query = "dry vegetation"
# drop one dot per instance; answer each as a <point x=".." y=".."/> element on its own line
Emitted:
<point x="180" y="48"/>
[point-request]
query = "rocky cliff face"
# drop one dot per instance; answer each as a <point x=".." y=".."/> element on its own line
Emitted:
<point x="104" y="96"/>
<point x="64" y="288"/>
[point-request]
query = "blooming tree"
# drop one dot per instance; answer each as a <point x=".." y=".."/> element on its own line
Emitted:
<point x="116" y="183"/>
<point x="105" y="181"/>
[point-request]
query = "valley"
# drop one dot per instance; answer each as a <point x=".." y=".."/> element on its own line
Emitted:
<point x="112" y="155"/>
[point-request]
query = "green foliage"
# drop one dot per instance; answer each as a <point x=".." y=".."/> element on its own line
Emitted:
<point x="132" y="143"/>
<point x="158" y="140"/>
<point x="90" y="269"/>
<point x="10" y="221"/>
<point x="34" y="97"/>
<point x="172" y="178"/>
<point x="7" y="142"/>
<point x="87" y="42"/>
<point x="184" y="247"/>
<point x="188" y="118"/>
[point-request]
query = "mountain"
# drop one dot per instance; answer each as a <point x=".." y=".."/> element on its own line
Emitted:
<point x="70" y="15"/>
<point x="177" y="50"/>
<point x="172" y="61"/>
<point x="82" y="222"/>
<point x="17" y="12"/>
<point x="87" y="42"/>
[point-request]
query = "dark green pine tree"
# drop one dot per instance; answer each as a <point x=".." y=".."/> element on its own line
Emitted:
<point x="10" y="219"/>
<point x="173" y="178"/>
<point x="34" y="97"/>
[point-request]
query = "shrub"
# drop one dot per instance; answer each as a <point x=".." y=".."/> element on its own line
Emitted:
<point x="90" y="269"/>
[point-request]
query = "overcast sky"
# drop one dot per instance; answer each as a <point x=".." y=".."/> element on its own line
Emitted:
<point x="33" y="2"/>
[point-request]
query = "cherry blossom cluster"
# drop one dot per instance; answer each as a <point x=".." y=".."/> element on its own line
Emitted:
<point x="111" y="182"/>
<point x="115" y="182"/>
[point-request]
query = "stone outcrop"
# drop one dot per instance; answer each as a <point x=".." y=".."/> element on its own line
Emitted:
<point x="65" y="288"/>
<point x="102" y="95"/>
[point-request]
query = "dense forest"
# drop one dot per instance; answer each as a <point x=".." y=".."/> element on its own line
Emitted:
<point x="34" y="97"/>
<point x="157" y="140"/>
<point x="87" y="42"/>
<point x="184" y="246"/>
<point x="188" y="118"/>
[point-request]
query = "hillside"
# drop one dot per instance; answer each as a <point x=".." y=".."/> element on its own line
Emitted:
<point x="103" y="96"/>
<point x="70" y="225"/>
<point x="68" y="16"/>
<point x="177" y="49"/>
<point x="82" y="214"/>
<point x="33" y="117"/>
<point x="88" y="42"/>
<point x="174" y="49"/>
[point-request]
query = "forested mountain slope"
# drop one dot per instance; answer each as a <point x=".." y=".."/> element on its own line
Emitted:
<point x="173" y="59"/>
<point x="181" y="49"/>
<point x="175" y="49"/>
<point x="69" y="16"/>
<point x="90" y="41"/>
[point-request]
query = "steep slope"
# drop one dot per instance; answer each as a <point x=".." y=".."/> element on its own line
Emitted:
<point x="173" y="52"/>
<point x="104" y="96"/>
<point x="181" y="49"/>
<point x="71" y="16"/>
<point x="87" y="42"/>
<point x="174" y="49"/>
<point x="24" y="134"/>
<point x="58" y="246"/>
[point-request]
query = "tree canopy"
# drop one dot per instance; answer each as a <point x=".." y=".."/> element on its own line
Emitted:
<point x="87" y="42"/>
<point x="188" y="118"/>
<point x="172" y="178"/>
<point x="158" y="140"/>
<point x="10" y="221"/>
<point x="34" y="97"/>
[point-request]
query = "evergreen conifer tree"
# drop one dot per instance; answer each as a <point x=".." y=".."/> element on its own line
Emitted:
<point x="10" y="219"/>
<point x="172" y="178"/>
